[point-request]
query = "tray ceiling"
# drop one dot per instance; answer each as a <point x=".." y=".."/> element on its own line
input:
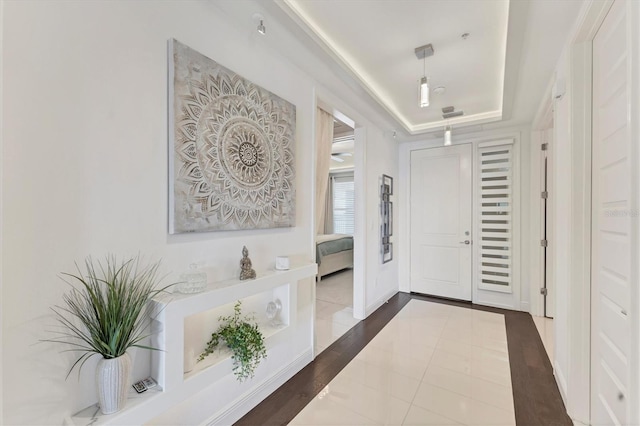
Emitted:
<point x="481" y="74"/>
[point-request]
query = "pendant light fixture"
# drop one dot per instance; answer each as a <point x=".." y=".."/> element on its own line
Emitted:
<point x="259" y="19"/>
<point x="447" y="135"/>
<point x="424" y="92"/>
<point x="423" y="52"/>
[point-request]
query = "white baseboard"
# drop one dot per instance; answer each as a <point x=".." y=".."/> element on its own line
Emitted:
<point x="381" y="301"/>
<point x="241" y="406"/>
<point x="561" y="381"/>
<point x="493" y="304"/>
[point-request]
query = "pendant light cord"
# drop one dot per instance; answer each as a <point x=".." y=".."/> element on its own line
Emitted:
<point x="424" y="66"/>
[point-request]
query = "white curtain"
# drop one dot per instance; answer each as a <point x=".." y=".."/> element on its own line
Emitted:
<point x="324" y="139"/>
<point x="328" y="208"/>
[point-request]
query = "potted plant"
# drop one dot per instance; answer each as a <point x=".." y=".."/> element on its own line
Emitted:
<point x="243" y="336"/>
<point x="105" y="314"/>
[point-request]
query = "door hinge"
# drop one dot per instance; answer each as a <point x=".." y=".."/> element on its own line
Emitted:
<point x="543" y="291"/>
<point x="544" y="195"/>
<point x="544" y="243"/>
<point x="544" y="146"/>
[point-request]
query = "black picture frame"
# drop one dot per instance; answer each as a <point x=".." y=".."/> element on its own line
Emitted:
<point x="387" y="184"/>
<point x="386" y="218"/>
<point x="387" y="253"/>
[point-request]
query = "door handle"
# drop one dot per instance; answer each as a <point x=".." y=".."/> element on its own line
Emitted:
<point x="467" y="242"/>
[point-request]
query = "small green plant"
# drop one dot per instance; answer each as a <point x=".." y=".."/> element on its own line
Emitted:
<point x="104" y="312"/>
<point x="244" y="338"/>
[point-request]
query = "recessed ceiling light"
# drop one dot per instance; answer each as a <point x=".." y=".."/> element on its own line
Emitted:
<point x="439" y="90"/>
<point x="447" y="135"/>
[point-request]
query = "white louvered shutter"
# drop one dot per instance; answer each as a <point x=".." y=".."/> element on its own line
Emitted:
<point x="343" y="205"/>
<point x="496" y="218"/>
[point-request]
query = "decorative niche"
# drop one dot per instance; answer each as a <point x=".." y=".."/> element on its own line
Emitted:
<point x="182" y="325"/>
<point x="198" y="329"/>
<point x="386" y="218"/>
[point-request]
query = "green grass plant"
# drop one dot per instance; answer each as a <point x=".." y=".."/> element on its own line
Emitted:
<point x="105" y="313"/>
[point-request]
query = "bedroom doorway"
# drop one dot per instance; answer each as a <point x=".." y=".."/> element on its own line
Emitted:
<point x="335" y="232"/>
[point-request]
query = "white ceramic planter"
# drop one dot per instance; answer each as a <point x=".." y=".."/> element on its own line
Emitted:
<point x="113" y="380"/>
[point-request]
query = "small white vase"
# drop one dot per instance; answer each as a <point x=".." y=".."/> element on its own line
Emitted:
<point x="113" y="380"/>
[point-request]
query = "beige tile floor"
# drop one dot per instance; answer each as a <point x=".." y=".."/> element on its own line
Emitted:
<point x="334" y="308"/>
<point x="433" y="364"/>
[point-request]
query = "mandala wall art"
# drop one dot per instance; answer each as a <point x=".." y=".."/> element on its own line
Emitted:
<point x="231" y="149"/>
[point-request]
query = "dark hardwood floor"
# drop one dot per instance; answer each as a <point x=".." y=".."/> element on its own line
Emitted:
<point x="536" y="397"/>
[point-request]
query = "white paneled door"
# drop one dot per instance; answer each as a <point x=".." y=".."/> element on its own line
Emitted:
<point x="441" y="219"/>
<point x="612" y="212"/>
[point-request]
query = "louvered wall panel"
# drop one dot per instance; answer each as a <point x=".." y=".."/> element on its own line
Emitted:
<point x="496" y="217"/>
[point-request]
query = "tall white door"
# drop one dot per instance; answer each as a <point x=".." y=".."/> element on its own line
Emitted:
<point x="441" y="204"/>
<point x="612" y="242"/>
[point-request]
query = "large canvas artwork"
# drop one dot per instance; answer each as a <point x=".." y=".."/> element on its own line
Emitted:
<point x="231" y="150"/>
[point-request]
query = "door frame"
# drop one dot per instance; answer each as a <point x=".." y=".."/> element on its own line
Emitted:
<point x="328" y="103"/>
<point x="575" y="382"/>
<point x="404" y="222"/>
<point x="632" y="392"/>
<point x="542" y="125"/>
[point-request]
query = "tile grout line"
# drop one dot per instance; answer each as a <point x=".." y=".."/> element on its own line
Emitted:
<point x="471" y="375"/>
<point x="422" y="381"/>
<point x="527" y="410"/>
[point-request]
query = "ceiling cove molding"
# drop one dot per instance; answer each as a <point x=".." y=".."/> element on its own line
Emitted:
<point x="343" y="59"/>
<point x="469" y="120"/>
<point x="513" y="58"/>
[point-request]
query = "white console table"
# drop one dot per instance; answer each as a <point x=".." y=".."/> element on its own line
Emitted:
<point x="171" y="310"/>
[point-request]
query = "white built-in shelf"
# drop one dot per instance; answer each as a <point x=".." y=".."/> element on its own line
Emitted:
<point x="174" y="386"/>
<point x="221" y="358"/>
<point x="223" y="292"/>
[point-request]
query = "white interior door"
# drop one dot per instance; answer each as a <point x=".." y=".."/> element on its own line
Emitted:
<point x="441" y="204"/>
<point x="612" y="243"/>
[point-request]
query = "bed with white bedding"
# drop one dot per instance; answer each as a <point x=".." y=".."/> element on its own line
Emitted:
<point x="334" y="252"/>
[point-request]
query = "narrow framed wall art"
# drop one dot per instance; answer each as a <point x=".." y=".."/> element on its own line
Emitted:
<point x="386" y="210"/>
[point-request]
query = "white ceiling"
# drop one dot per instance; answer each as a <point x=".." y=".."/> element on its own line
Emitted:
<point x="342" y="148"/>
<point x="500" y="72"/>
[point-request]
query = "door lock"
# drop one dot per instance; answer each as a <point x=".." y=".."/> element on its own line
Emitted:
<point x="467" y="242"/>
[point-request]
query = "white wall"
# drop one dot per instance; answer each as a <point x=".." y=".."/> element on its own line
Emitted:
<point x="559" y="253"/>
<point x="1" y="207"/>
<point x="520" y="300"/>
<point x="85" y="171"/>
<point x="381" y="279"/>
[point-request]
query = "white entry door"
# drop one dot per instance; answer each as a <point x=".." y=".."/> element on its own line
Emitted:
<point x="441" y="203"/>
<point x="612" y="385"/>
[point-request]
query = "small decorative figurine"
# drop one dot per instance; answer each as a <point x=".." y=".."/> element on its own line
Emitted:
<point x="246" y="272"/>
